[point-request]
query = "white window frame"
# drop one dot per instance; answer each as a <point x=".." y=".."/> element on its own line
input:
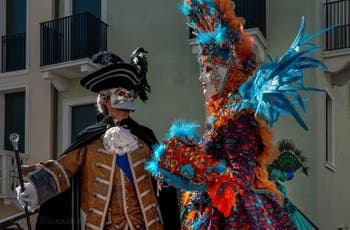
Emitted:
<point x="67" y="116"/>
<point x="11" y="88"/>
<point x="68" y="9"/>
<point x="330" y="151"/>
<point x="3" y="32"/>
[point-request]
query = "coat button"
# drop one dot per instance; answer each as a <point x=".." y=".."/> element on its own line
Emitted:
<point x="138" y="226"/>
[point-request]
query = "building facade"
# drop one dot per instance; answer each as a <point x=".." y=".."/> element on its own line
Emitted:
<point x="47" y="50"/>
<point x="25" y="98"/>
<point x="323" y="195"/>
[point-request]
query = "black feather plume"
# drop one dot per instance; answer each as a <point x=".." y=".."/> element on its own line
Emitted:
<point x="105" y="58"/>
<point x="138" y="58"/>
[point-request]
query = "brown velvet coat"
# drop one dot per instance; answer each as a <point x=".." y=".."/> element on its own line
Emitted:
<point x="108" y="198"/>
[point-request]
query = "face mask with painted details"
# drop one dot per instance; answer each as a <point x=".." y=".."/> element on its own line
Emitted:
<point x="122" y="98"/>
<point x="213" y="76"/>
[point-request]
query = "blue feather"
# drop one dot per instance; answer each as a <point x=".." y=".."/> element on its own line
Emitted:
<point x="183" y="129"/>
<point x="199" y="223"/>
<point x="220" y="33"/>
<point x="185" y="9"/>
<point x="158" y="151"/>
<point x="152" y="167"/>
<point x="269" y="90"/>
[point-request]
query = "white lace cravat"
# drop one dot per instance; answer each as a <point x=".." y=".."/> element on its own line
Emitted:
<point x="118" y="140"/>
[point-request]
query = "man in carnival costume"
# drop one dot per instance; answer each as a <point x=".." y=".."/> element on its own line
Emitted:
<point x="104" y="168"/>
<point x="225" y="171"/>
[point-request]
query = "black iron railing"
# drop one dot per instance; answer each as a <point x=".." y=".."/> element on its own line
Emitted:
<point x="71" y="38"/>
<point x="18" y="221"/>
<point x="13" y="49"/>
<point x="337" y="13"/>
<point x="254" y="12"/>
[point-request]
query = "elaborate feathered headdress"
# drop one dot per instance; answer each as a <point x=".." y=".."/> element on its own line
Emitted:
<point x="219" y="31"/>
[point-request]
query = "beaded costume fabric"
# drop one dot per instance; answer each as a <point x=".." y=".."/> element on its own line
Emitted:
<point x="238" y="143"/>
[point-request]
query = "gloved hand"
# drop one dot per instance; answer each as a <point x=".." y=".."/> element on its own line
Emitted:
<point x="29" y="196"/>
<point x="277" y="174"/>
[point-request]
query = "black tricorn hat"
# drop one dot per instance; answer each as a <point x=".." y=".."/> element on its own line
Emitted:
<point x="112" y="76"/>
<point x="117" y="73"/>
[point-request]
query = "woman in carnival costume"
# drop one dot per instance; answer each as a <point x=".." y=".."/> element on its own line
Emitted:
<point x="225" y="171"/>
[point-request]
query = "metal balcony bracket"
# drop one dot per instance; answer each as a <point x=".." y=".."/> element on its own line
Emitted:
<point x="338" y="63"/>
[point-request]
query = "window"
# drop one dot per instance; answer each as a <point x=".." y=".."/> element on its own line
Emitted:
<point x="92" y="6"/>
<point x="13" y="35"/>
<point x="13" y="117"/>
<point x="82" y="116"/>
<point x="329" y="132"/>
<point x="95" y="7"/>
<point x="78" y="113"/>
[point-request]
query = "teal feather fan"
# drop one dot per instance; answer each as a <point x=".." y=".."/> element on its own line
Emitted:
<point x="290" y="158"/>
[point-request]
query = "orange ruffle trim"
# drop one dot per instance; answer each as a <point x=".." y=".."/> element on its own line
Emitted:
<point x="270" y="152"/>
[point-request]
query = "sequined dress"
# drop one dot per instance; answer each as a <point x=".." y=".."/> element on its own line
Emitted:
<point x="238" y="143"/>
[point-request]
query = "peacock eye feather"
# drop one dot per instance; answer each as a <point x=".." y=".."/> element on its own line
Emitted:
<point x="290" y="158"/>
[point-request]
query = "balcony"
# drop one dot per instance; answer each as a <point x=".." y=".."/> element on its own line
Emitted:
<point x="67" y="44"/>
<point x="254" y="12"/>
<point x="9" y="175"/>
<point x="337" y="41"/>
<point x="13" y="52"/>
<point x="18" y="221"/>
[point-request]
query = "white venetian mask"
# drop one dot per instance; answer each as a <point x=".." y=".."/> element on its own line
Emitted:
<point x="122" y="98"/>
<point x="213" y="76"/>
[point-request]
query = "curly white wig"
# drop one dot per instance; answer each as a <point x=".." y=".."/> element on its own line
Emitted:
<point x="101" y="99"/>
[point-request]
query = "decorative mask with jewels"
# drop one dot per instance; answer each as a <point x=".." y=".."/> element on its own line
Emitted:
<point x="213" y="77"/>
<point x="122" y="98"/>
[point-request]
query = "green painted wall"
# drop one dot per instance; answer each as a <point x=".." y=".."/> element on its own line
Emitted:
<point x="282" y="26"/>
<point x="159" y="27"/>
